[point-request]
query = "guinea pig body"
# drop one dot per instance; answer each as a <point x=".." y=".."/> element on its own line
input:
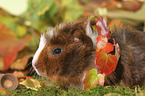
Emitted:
<point x="67" y="52"/>
<point x="131" y="65"/>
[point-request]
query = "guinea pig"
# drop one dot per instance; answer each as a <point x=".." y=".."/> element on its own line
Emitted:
<point x="67" y="52"/>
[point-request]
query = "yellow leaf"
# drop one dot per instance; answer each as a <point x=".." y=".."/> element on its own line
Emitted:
<point x="31" y="83"/>
<point x="21" y="31"/>
<point x="4" y="91"/>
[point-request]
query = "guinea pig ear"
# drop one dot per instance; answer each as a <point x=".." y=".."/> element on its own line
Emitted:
<point x="90" y="32"/>
<point x="78" y="36"/>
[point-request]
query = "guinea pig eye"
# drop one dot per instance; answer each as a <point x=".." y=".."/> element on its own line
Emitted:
<point x="57" y="51"/>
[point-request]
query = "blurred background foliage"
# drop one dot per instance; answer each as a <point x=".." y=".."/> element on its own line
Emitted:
<point x="33" y="17"/>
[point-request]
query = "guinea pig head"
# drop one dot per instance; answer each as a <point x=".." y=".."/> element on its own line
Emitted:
<point x="65" y="54"/>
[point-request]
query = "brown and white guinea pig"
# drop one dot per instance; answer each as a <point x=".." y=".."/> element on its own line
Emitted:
<point x="67" y="52"/>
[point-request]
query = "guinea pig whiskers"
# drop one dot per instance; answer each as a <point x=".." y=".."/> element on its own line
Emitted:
<point x="31" y="70"/>
<point x="28" y="64"/>
<point x="36" y="76"/>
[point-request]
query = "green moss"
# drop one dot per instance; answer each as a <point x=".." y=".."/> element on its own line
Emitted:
<point x="56" y="90"/>
<point x="97" y="91"/>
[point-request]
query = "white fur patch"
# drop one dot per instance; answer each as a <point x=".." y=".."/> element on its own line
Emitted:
<point x="49" y="32"/>
<point x="61" y="25"/>
<point x="83" y="80"/>
<point x="91" y="34"/>
<point x="40" y="48"/>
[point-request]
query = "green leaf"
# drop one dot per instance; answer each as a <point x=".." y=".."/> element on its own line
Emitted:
<point x="44" y="5"/>
<point x="41" y="26"/>
<point x="91" y="76"/>
<point x="72" y="9"/>
<point x="92" y="79"/>
<point x="41" y="8"/>
<point x="11" y="23"/>
<point x="52" y="10"/>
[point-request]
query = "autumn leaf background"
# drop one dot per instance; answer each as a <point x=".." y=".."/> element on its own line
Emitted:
<point x="22" y="22"/>
<point x="21" y="25"/>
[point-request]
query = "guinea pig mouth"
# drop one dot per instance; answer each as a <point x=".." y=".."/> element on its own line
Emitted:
<point x="39" y="72"/>
<point x="35" y="69"/>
